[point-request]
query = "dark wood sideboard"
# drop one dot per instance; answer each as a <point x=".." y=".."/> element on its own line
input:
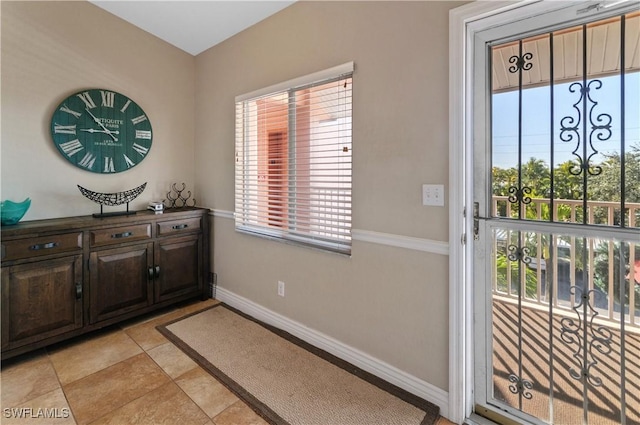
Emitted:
<point x="67" y="276"/>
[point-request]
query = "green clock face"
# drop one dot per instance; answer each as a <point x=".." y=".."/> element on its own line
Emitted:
<point x="101" y="131"/>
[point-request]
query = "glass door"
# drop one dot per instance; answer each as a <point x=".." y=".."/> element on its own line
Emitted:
<point x="557" y="190"/>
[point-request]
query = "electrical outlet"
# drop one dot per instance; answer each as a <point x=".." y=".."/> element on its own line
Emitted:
<point x="281" y="288"/>
<point x="433" y="194"/>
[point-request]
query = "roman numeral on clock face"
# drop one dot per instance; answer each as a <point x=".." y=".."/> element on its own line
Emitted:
<point x="108" y="165"/>
<point x="128" y="161"/>
<point x="140" y="149"/>
<point x="143" y="134"/>
<point x="138" y="120"/>
<point x="72" y="147"/>
<point x="76" y="114"/>
<point x="126" y="105"/>
<point x="108" y="98"/>
<point x="64" y="129"/>
<point x="87" y="160"/>
<point x="84" y="96"/>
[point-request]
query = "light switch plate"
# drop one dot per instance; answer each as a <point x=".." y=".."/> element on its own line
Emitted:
<point x="433" y="195"/>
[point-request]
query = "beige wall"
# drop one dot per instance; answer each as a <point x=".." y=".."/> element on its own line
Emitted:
<point x="388" y="302"/>
<point x="51" y="50"/>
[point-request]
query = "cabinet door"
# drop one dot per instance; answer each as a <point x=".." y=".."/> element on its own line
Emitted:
<point x="120" y="281"/>
<point x="41" y="300"/>
<point x="180" y="270"/>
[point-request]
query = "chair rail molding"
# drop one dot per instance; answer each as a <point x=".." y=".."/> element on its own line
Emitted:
<point x="400" y="241"/>
<point x="389" y="239"/>
<point x="222" y="213"/>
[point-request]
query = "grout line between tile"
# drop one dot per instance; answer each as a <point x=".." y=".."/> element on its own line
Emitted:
<point x="120" y="328"/>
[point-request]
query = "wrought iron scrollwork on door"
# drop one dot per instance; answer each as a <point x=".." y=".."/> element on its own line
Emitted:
<point x="586" y="336"/>
<point x="520" y="195"/>
<point x="520" y="62"/>
<point x="520" y="386"/>
<point x="598" y="126"/>
<point x="519" y="254"/>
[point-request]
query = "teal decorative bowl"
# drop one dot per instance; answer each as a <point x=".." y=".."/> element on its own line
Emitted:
<point x="12" y="212"/>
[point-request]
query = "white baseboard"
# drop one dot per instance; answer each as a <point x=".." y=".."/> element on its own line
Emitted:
<point x="352" y="355"/>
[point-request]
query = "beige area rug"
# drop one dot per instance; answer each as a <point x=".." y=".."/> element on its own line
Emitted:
<point x="287" y="381"/>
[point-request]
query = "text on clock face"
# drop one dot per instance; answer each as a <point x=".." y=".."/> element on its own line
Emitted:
<point x="101" y="131"/>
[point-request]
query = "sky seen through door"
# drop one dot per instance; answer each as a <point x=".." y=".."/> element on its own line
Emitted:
<point x="536" y="121"/>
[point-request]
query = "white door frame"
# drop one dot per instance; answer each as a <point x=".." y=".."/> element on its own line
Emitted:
<point x="464" y="23"/>
<point x="461" y="35"/>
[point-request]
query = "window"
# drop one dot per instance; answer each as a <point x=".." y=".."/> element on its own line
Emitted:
<point x="293" y="160"/>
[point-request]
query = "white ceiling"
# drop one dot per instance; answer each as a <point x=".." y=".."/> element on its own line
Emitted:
<point x="193" y="26"/>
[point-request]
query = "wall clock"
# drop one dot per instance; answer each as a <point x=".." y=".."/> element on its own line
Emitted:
<point x="101" y="131"/>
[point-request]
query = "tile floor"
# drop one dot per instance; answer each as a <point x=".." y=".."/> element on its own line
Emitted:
<point x="127" y="374"/>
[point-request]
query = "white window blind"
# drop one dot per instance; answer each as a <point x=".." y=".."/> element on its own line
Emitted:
<point x="293" y="160"/>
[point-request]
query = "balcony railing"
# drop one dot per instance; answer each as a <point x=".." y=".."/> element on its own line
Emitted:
<point x="557" y="263"/>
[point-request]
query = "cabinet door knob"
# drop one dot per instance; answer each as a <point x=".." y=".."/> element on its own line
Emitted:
<point x="157" y="272"/>
<point x="78" y="290"/>
<point x="150" y="273"/>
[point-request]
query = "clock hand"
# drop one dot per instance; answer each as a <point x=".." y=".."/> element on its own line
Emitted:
<point x="96" y="119"/>
<point x="93" y="130"/>
<point x="100" y="124"/>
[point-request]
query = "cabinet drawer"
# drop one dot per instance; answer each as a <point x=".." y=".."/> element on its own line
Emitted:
<point x="45" y="245"/>
<point x="179" y="226"/>
<point x="115" y="235"/>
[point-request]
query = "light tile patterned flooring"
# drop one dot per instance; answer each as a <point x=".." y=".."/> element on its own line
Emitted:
<point x="127" y="374"/>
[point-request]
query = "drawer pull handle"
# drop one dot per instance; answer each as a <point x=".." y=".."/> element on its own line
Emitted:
<point x="122" y="235"/>
<point x="43" y="246"/>
<point x="78" y="290"/>
<point x="180" y="226"/>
